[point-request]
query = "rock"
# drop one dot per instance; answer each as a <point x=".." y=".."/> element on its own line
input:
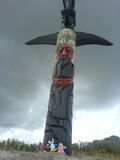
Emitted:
<point x="15" y="155"/>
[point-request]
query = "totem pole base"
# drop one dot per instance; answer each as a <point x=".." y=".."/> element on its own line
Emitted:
<point x="59" y="117"/>
<point x="10" y="155"/>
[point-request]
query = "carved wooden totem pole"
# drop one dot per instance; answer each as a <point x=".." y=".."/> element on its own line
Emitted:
<point x="59" y="116"/>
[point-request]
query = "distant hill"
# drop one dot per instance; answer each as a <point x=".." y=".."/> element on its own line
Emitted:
<point x="111" y="144"/>
<point x="113" y="139"/>
<point x="107" y="145"/>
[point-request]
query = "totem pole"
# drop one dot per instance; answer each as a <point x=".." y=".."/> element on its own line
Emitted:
<point x="59" y="116"/>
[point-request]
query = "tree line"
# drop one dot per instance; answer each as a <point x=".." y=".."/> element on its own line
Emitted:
<point x="14" y="144"/>
<point x="110" y="145"/>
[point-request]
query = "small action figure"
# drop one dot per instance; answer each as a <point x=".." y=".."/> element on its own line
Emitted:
<point x="61" y="147"/>
<point x="46" y="148"/>
<point x="52" y="146"/>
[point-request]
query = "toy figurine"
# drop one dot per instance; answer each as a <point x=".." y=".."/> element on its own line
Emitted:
<point x="46" y="148"/>
<point x="52" y="146"/>
<point x="61" y="147"/>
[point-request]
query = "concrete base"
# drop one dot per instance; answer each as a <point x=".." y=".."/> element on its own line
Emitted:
<point x="14" y="155"/>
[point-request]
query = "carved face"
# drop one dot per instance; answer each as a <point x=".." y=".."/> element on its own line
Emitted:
<point x="65" y="51"/>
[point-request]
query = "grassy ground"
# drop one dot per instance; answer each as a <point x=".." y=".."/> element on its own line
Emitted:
<point x="99" y="155"/>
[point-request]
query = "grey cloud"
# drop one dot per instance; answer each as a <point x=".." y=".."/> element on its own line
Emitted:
<point x="25" y="71"/>
<point x="100" y="72"/>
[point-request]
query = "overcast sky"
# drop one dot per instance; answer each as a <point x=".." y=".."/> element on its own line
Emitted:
<point x="26" y="71"/>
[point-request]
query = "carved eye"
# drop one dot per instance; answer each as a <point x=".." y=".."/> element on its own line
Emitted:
<point x="68" y="50"/>
<point x="60" y="51"/>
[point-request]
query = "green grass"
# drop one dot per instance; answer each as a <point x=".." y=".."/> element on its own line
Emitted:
<point x="99" y="155"/>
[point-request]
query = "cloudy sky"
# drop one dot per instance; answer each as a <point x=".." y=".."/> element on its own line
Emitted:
<point x="25" y="71"/>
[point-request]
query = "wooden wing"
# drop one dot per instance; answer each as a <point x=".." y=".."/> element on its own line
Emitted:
<point x="81" y="39"/>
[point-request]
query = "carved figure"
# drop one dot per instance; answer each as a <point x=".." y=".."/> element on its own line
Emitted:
<point x="59" y="116"/>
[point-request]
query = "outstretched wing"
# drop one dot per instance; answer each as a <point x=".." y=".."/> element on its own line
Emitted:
<point x="87" y="38"/>
<point x="47" y="39"/>
<point x="81" y="39"/>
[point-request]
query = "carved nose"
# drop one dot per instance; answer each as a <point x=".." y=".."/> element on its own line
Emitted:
<point x="64" y="51"/>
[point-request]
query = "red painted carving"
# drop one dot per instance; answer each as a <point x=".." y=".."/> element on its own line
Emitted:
<point x="65" y="51"/>
<point x="60" y="82"/>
